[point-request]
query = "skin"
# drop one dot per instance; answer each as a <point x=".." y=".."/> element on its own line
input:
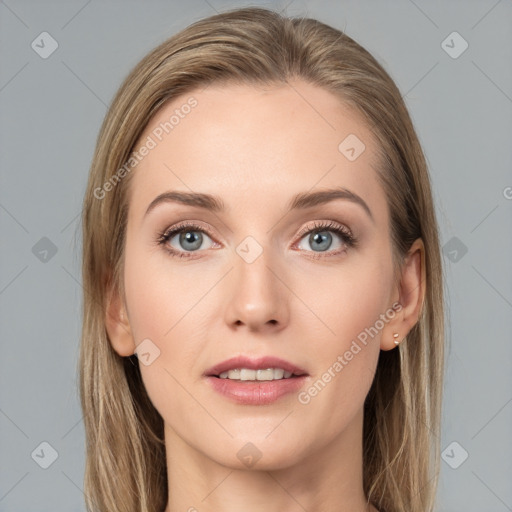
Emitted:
<point x="256" y="148"/>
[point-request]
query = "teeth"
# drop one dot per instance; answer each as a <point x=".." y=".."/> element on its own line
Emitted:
<point x="265" y="374"/>
<point x="278" y="373"/>
<point x="234" y="374"/>
<point x="246" y="374"/>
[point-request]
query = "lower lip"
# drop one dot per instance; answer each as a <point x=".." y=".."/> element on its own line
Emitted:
<point x="256" y="393"/>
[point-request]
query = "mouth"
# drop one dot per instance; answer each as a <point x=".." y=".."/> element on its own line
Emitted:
<point x="255" y="381"/>
<point x="248" y="375"/>
<point x="244" y="368"/>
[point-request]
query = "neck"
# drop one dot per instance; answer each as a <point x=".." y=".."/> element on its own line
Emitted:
<point x="323" y="478"/>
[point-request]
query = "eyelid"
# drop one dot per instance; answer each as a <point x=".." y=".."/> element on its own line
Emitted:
<point x="324" y="225"/>
<point x="193" y="225"/>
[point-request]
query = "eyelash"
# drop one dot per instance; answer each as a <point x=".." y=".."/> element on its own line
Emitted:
<point x="349" y="240"/>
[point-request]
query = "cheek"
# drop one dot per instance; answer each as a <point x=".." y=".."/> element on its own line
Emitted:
<point x="353" y="306"/>
<point x="348" y="298"/>
<point x="165" y="308"/>
<point x="157" y="295"/>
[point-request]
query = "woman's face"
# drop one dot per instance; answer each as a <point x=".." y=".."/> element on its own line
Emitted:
<point x="252" y="278"/>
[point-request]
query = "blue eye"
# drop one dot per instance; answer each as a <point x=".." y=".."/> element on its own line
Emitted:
<point x="320" y="237"/>
<point x="194" y="240"/>
<point x="190" y="238"/>
<point x="322" y="240"/>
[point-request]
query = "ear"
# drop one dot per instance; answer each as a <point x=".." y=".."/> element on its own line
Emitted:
<point x="118" y="325"/>
<point x="410" y="296"/>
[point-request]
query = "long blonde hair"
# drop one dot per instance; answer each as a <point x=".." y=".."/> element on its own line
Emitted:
<point x="125" y="452"/>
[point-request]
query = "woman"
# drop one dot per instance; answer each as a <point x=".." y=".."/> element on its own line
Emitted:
<point x="263" y="314"/>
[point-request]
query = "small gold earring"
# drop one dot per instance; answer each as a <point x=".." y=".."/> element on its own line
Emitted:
<point x="396" y="338"/>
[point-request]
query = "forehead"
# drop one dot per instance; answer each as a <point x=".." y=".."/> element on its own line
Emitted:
<point x="251" y="142"/>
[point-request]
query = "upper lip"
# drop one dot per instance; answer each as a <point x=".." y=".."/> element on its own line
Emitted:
<point x="260" y="363"/>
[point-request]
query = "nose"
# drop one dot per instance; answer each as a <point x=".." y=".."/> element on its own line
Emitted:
<point x="257" y="298"/>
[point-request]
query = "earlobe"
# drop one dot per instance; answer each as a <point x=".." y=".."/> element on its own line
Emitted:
<point x="411" y="293"/>
<point x="118" y="325"/>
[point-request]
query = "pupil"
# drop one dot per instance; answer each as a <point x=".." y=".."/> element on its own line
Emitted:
<point x="193" y="238"/>
<point x="321" y="237"/>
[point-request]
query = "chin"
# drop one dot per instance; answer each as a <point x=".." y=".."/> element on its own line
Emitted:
<point x="260" y="454"/>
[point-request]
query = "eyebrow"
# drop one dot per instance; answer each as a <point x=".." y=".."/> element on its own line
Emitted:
<point x="300" y="201"/>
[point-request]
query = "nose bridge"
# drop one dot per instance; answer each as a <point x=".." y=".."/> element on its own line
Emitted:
<point x="257" y="296"/>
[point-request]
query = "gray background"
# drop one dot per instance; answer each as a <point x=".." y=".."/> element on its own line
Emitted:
<point x="51" y="110"/>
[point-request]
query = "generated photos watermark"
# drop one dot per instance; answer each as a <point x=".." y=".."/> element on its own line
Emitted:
<point x="343" y="360"/>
